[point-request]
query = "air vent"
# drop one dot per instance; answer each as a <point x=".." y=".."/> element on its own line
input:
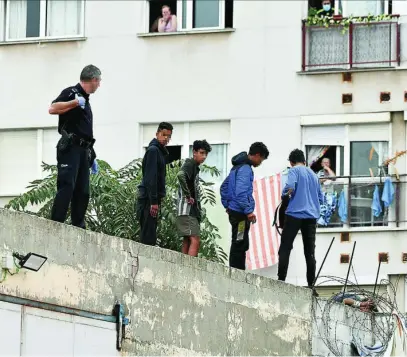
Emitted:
<point x="347" y="77"/>
<point x="345" y="237"/>
<point x="385" y="97"/>
<point x="384" y="257"/>
<point x="347" y="98"/>
<point x="404" y="257"/>
<point x="344" y="258"/>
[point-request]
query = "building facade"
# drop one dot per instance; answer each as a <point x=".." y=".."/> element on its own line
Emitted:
<point x="233" y="73"/>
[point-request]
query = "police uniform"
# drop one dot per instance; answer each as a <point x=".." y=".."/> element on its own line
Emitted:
<point x="75" y="156"/>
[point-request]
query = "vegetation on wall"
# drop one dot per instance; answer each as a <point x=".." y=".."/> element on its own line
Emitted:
<point x="111" y="207"/>
<point x="318" y="18"/>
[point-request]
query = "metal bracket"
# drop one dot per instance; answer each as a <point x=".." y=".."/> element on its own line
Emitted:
<point x="121" y="323"/>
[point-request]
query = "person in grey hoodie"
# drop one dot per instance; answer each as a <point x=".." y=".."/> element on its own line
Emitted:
<point x="237" y="198"/>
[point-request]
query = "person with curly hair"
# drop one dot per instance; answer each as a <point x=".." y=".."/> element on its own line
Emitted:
<point x="189" y="214"/>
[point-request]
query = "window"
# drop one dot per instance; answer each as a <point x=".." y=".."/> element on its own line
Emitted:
<point x="194" y="14"/>
<point x="315" y="154"/>
<point x="356" y="154"/>
<point x="19" y="162"/>
<point x="216" y="133"/>
<point x="174" y="153"/>
<point x="366" y="157"/>
<point x="218" y="158"/>
<point x="356" y="7"/>
<point x="27" y="19"/>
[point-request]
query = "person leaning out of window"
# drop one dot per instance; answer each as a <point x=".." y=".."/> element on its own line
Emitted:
<point x="168" y="22"/>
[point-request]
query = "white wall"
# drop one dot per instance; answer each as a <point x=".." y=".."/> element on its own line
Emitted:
<point x="248" y="77"/>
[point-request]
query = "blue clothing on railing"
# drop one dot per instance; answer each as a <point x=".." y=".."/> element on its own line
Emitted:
<point x="376" y="204"/>
<point x="328" y="208"/>
<point x="343" y="207"/>
<point x="388" y="192"/>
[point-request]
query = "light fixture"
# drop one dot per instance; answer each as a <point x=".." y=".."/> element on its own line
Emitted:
<point x="31" y="261"/>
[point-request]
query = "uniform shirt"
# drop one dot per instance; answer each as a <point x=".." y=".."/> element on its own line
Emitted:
<point x="188" y="178"/>
<point x="77" y="121"/>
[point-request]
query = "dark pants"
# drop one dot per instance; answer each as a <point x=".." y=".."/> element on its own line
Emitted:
<point x="72" y="185"/>
<point x="291" y="227"/>
<point x="240" y="240"/>
<point x="148" y="224"/>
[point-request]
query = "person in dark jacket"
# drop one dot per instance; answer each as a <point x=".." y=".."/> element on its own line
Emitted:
<point x="152" y="187"/>
<point x="189" y="215"/>
<point x="237" y="198"/>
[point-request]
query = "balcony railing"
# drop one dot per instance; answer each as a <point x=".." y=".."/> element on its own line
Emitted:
<point x="354" y="208"/>
<point x="362" y="45"/>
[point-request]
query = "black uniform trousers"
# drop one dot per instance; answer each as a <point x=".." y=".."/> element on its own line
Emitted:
<point x="240" y="240"/>
<point x="148" y="223"/>
<point x="308" y="230"/>
<point x="72" y="185"/>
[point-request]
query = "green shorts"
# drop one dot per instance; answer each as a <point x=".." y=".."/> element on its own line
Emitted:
<point x="188" y="226"/>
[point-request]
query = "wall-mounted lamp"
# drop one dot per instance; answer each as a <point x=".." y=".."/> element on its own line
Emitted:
<point x="30" y="261"/>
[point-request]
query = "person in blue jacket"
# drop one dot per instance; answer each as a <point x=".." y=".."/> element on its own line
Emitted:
<point x="305" y="195"/>
<point x="237" y="198"/>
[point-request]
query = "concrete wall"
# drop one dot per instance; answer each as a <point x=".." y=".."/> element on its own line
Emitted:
<point x="177" y="304"/>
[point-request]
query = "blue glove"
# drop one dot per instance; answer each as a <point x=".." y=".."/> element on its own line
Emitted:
<point x="95" y="167"/>
<point x="81" y="101"/>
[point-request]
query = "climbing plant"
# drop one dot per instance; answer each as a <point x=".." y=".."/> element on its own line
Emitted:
<point x="318" y="18"/>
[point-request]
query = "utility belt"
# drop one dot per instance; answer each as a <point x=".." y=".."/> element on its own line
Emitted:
<point x="76" y="140"/>
<point x="68" y="139"/>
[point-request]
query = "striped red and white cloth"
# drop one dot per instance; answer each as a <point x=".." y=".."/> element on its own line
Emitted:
<point x="264" y="239"/>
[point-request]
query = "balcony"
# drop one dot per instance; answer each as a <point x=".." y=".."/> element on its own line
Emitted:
<point x="351" y="201"/>
<point x="360" y="44"/>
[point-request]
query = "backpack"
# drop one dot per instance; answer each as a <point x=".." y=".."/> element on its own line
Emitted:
<point x="280" y="213"/>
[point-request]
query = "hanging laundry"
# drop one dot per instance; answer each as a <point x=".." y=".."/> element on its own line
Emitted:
<point x="328" y="208"/>
<point x="388" y="192"/>
<point x="343" y="207"/>
<point x="376" y="204"/>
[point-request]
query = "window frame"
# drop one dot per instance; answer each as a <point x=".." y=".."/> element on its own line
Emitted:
<point x="344" y="5"/>
<point x="185" y="141"/>
<point x="347" y="140"/>
<point x="5" y="28"/>
<point x="190" y="16"/>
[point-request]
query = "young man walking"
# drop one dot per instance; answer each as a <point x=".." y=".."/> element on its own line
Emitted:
<point x="188" y="203"/>
<point x="237" y="198"/>
<point x="152" y="187"/>
<point x="303" y="210"/>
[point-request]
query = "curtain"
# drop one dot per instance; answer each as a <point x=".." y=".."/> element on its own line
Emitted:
<point x="381" y="148"/>
<point x="64" y="17"/>
<point x="314" y="153"/>
<point x="364" y="8"/>
<point x="17" y="19"/>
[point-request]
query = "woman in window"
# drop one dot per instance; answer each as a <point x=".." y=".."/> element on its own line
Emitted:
<point x="168" y="22"/>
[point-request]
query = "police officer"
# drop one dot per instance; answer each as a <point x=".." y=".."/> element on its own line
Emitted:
<point x="75" y="154"/>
